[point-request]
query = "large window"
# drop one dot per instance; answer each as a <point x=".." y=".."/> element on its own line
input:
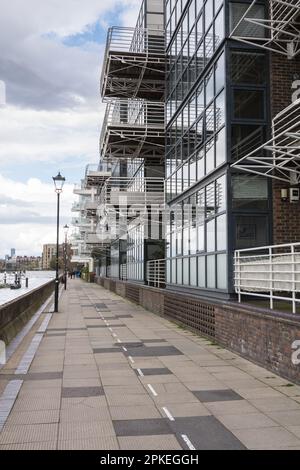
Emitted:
<point x="199" y="32"/>
<point x="197" y="238"/>
<point x="240" y="11"/>
<point x="196" y="139"/>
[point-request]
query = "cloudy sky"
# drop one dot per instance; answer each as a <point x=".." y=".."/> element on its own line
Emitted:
<point x="50" y="61"/>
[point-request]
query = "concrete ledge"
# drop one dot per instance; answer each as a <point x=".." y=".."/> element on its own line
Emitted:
<point x="261" y="335"/>
<point x="16" y="313"/>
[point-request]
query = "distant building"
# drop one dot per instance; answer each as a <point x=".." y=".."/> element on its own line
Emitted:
<point x="12" y="252"/>
<point x="49" y="253"/>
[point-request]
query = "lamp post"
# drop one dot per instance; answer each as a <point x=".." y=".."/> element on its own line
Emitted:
<point x="58" y="184"/>
<point x="66" y="230"/>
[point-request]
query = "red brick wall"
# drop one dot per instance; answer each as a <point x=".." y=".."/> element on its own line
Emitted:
<point x="286" y="219"/>
<point x="263" y="336"/>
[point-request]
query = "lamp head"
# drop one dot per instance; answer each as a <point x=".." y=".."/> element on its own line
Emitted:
<point x="59" y="182"/>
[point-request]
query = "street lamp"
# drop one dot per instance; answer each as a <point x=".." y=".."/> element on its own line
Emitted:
<point x="58" y="184"/>
<point x="66" y="230"/>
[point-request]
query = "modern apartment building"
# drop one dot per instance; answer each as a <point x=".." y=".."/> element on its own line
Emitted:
<point x="49" y="253"/>
<point x="202" y="136"/>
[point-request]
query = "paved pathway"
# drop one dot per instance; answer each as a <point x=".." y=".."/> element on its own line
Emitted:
<point x="106" y="374"/>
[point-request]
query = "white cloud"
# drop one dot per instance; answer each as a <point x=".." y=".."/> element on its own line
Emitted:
<point x="33" y="135"/>
<point x="27" y="227"/>
<point x="54" y="112"/>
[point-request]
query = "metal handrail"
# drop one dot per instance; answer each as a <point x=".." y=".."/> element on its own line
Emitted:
<point x="156" y="273"/>
<point x="269" y="272"/>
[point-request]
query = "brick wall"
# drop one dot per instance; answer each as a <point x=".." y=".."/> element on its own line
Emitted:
<point x="262" y="336"/>
<point x="286" y="218"/>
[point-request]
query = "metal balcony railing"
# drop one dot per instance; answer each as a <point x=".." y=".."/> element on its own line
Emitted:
<point x="271" y="272"/>
<point x="123" y="272"/>
<point x="278" y="158"/>
<point x="80" y="222"/>
<point x="138" y="113"/>
<point x="134" y="62"/>
<point x="131" y="191"/>
<point x="280" y="32"/>
<point x="76" y="207"/>
<point x="156" y="273"/>
<point x="82" y="190"/>
<point x="95" y="175"/>
<point x="131" y="127"/>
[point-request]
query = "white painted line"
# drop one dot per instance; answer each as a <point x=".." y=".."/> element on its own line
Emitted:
<point x="114" y="335"/>
<point x="28" y="357"/>
<point x="131" y="360"/>
<point x="124" y="349"/>
<point x="118" y="340"/>
<point x="168" y="414"/>
<point x="8" y="399"/>
<point x="140" y="372"/>
<point x="152" y="390"/>
<point x="188" y="442"/>
<point x="110" y="329"/>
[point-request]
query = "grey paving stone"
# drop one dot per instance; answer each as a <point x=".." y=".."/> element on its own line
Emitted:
<point x="158" y="371"/>
<point x="124" y="316"/>
<point x="141" y="427"/>
<point x="101" y="306"/>
<point x="74" y="392"/>
<point x="217" y="395"/>
<point x="154" y="351"/>
<point x="107" y="350"/>
<point x="154" y="340"/>
<point x="205" y="433"/>
<point x="51" y="335"/>
<point x="37" y="376"/>
<point x="105" y="326"/>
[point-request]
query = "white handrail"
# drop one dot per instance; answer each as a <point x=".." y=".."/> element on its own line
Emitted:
<point x="271" y="272"/>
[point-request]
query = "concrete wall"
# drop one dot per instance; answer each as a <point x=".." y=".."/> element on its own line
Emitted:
<point x="263" y="336"/>
<point x="15" y="314"/>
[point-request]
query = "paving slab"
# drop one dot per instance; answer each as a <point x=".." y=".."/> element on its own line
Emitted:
<point x="139" y="383"/>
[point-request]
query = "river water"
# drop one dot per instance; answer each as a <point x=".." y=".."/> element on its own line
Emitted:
<point x="36" y="279"/>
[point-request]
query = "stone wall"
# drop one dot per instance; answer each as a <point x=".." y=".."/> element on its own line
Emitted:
<point x="15" y="314"/>
<point x="263" y="336"/>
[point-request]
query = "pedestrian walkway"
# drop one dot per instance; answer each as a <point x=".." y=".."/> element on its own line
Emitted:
<point x="106" y="374"/>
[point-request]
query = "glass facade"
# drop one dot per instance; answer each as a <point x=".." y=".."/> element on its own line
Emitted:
<point x="197" y="238"/>
<point x="217" y="111"/>
<point x="196" y="136"/>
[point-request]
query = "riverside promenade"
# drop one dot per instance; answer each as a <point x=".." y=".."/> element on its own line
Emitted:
<point x="105" y="374"/>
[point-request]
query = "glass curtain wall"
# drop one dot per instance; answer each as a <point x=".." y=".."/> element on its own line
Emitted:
<point x="196" y="146"/>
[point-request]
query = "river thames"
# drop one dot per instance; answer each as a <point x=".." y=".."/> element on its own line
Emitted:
<point x="36" y="279"/>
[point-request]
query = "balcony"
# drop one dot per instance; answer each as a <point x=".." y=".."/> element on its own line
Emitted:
<point x="81" y="222"/>
<point x="133" y="129"/>
<point x="129" y="192"/>
<point x="82" y="190"/>
<point x="279" y="33"/>
<point x="134" y="63"/>
<point x="96" y="175"/>
<point x="76" y="207"/>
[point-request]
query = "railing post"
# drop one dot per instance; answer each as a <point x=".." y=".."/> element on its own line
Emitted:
<point x="293" y="278"/>
<point x="271" y="278"/>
